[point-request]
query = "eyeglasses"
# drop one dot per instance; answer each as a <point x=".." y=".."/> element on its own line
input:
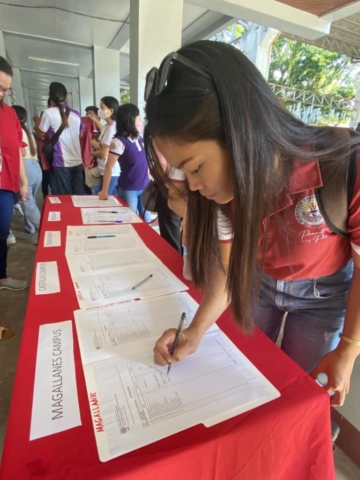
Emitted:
<point x="5" y="91"/>
<point x="157" y="78"/>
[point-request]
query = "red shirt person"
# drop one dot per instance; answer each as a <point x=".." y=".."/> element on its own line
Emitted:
<point x="12" y="173"/>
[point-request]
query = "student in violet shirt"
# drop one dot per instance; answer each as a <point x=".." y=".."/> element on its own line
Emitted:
<point x="127" y="147"/>
<point x="67" y="163"/>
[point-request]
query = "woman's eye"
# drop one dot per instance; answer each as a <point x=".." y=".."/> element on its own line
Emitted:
<point x="196" y="171"/>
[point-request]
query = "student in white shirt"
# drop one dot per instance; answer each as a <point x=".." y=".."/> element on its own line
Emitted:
<point x="107" y="112"/>
<point x="67" y="164"/>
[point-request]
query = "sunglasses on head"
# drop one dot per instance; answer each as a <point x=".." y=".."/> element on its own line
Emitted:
<point x="157" y="78"/>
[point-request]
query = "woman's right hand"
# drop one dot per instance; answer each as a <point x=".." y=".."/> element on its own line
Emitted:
<point x="188" y="343"/>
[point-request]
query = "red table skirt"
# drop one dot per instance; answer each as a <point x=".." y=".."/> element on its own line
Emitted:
<point x="286" y="439"/>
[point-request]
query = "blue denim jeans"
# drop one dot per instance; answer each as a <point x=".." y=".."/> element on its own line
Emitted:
<point x="112" y="187"/>
<point x="49" y="180"/>
<point x="133" y="199"/>
<point x="315" y="314"/>
<point x="7" y="202"/>
<point x="31" y="211"/>
<point x="69" y="180"/>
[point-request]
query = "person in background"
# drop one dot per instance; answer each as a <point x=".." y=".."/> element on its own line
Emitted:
<point x="12" y="174"/>
<point x="90" y="132"/>
<point x="48" y="177"/>
<point x="127" y="147"/>
<point x="107" y="112"/>
<point x="92" y="114"/>
<point x="67" y="164"/>
<point x="33" y="173"/>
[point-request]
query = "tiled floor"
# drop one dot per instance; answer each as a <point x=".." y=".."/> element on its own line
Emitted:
<point x="13" y="307"/>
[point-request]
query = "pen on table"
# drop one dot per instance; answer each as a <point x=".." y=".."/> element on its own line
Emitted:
<point x="110" y="221"/>
<point x="104" y="211"/>
<point x="177" y="338"/>
<point x="140" y="283"/>
<point x="101" y="236"/>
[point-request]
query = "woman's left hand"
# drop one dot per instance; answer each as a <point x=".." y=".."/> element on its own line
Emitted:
<point x="338" y="367"/>
<point x="24" y="192"/>
<point x="103" y="195"/>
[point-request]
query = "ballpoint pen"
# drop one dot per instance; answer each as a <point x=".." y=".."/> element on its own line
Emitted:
<point x="110" y="221"/>
<point x="105" y="211"/>
<point x="101" y="236"/>
<point x="140" y="283"/>
<point x="177" y="338"/>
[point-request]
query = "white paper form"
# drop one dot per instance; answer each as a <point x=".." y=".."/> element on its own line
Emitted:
<point x="54" y="200"/>
<point x="52" y="239"/>
<point x="84" y="231"/>
<point x="55" y="402"/>
<point x="83" y="264"/>
<point x="98" y="245"/>
<point x="47" y="278"/>
<point x="137" y="403"/>
<point x="115" y="286"/>
<point x="100" y="216"/>
<point x="123" y="329"/>
<point x="94" y="201"/>
<point x="54" y="216"/>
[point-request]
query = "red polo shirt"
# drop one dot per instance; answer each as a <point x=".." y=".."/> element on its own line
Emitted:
<point x="10" y="143"/>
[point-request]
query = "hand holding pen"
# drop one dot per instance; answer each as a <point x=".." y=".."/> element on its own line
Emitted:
<point x="177" y="338"/>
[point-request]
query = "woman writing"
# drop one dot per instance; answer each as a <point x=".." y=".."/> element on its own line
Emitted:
<point x="256" y="240"/>
<point x="127" y="147"/>
<point x="107" y="112"/>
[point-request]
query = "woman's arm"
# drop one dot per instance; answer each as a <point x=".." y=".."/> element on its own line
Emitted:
<point x="104" y="192"/>
<point x="102" y="152"/>
<point x="23" y="178"/>
<point x="339" y="363"/>
<point x="213" y="304"/>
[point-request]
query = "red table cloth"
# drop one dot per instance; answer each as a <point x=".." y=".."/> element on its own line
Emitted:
<point x="286" y="439"/>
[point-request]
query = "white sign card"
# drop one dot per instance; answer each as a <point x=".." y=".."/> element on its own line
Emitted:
<point x="47" y="278"/>
<point x="54" y="217"/>
<point x="55" y="401"/>
<point x="52" y="239"/>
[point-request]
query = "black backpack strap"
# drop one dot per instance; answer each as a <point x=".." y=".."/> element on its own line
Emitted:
<point x="55" y="138"/>
<point x="335" y="195"/>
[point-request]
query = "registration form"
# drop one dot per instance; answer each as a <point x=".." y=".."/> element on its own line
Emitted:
<point x="99" y="231"/>
<point x="115" y="215"/>
<point x="94" y="201"/>
<point x="117" y="285"/>
<point x="134" y="402"/>
<point x="102" y="243"/>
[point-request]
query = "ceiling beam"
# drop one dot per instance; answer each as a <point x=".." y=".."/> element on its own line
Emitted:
<point x="194" y="31"/>
<point x="342" y="12"/>
<point x="122" y="36"/>
<point x="271" y="14"/>
<point x="57" y="41"/>
<point x="52" y="74"/>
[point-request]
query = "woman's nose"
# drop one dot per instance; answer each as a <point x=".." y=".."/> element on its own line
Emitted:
<point x="194" y="184"/>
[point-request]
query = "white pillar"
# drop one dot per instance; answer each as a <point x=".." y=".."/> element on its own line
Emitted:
<point x="155" y="31"/>
<point x="257" y="44"/>
<point x="17" y="88"/>
<point x="76" y="101"/>
<point x="106" y="73"/>
<point x="86" y="93"/>
<point x="26" y="105"/>
<point x="3" y="54"/>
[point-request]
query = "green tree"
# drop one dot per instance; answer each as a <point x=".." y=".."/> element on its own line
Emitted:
<point x="302" y="66"/>
<point x="125" y="97"/>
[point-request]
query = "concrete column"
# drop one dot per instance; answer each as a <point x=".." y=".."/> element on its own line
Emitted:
<point x="155" y="31"/>
<point x="106" y="73"/>
<point x="17" y="88"/>
<point x="86" y="93"/>
<point x="76" y="101"/>
<point x="257" y="44"/>
<point x="3" y="54"/>
<point x="26" y="105"/>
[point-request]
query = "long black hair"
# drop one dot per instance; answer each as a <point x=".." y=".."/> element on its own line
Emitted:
<point x="22" y="116"/>
<point x="234" y="106"/>
<point x="58" y="94"/>
<point x="112" y="103"/>
<point x="126" y="120"/>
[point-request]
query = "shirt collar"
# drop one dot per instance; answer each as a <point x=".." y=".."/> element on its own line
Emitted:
<point x="305" y="176"/>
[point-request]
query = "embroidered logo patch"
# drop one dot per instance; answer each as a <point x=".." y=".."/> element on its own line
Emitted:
<point x="112" y="146"/>
<point x="307" y="212"/>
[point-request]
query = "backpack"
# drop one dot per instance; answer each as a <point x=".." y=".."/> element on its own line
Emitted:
<point x="334" y="197"/>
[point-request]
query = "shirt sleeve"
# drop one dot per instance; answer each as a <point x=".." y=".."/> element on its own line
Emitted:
<point x="354" y="213"/>
<point x="116" y="146"/>
<point x="225" y="229"/>
<point x="45" y="123"/>
<point x="107" y="138"/>
<point x="176" y="175"/>
<point x="82" y="127"/>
